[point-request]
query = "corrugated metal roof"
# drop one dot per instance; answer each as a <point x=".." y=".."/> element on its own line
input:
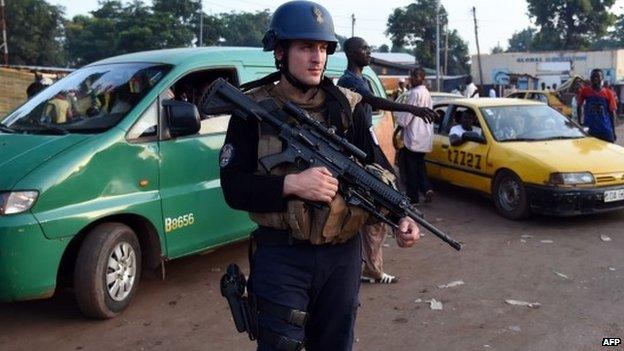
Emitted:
<point x="396" y="57"/>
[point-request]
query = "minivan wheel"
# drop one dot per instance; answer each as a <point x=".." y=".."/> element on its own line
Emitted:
<point x="108" y="270"/>
<point x="510" y="196"/>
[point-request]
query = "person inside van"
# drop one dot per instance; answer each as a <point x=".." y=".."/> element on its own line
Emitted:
<point x="58" y="109"/>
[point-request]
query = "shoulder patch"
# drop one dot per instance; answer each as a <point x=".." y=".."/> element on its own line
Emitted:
<point x="226" y="155"/>
<point x="353" y="97"/>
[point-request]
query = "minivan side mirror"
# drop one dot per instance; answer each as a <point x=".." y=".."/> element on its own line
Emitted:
<point x="182" y="118"/>
<point x="473" y="136"/>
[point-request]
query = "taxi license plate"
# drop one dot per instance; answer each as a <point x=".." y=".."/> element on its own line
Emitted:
<point x="614" y="195"/>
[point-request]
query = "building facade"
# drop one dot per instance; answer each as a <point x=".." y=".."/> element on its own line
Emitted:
<point x="531" y="69"/>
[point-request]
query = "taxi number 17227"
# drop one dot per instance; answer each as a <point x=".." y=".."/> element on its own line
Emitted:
<point x="463" y="158"/>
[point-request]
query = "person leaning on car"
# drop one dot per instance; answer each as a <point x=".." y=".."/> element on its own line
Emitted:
<point x="466" y="125"/>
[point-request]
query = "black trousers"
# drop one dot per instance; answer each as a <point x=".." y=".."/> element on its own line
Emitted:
<point x="323" y="280"/>
<point x="414" y="173"/>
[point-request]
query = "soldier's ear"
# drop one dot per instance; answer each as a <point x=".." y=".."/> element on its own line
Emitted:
<point x="279" y="52"/>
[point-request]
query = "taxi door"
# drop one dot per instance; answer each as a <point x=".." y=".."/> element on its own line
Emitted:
<point x="435" y="159"/>
<point x="463" y="165"/>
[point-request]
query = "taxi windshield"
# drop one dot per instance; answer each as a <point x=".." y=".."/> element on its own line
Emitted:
<point x="90" y="100"/>
<point x="529" y="123"/>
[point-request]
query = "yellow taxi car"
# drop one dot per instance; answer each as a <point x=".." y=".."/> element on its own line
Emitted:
<point x="548" y="97"/>
<point x="528" y="158"/>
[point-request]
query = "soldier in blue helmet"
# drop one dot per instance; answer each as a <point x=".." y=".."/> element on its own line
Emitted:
<point x="305" y="271"/>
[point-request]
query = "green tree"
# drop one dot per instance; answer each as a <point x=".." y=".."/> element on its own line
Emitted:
<point x="115" y="28"/>
<point x="178" y="21"/>
<point x="497" y="49"/>
<point x="458" y="55"/>
<point x="34" y="33"/>
<point x="414" y="27"/>
<point x="212" y="30"/>
<point x="383" y="48"/>
<point x="614" y="39"/>
<point x="245" y="28"/>
<point x="522" y="41"/>
<point x="570" y="24"/>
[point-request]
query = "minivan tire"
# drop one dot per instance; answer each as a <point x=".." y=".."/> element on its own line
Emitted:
<point x="110" y="251"/>
<point x="510" y="197"/>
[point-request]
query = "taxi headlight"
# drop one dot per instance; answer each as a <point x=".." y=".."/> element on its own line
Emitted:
<point x="576" y="178"/>
<point x="17" y="201"/>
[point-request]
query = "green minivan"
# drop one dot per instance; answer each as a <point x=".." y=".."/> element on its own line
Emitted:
<point x="97" y="182"/>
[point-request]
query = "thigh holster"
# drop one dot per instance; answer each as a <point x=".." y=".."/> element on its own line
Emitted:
<point x="292" y="316"/>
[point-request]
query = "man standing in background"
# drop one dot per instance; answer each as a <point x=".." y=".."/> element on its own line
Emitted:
<point x="418" y="138"/>
<point x="471" y="89"/>
<point x="359" y="55"/>
<point x="597" y="107"/>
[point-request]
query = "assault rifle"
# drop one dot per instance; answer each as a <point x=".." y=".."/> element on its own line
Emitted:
<point x="310" y="144"/>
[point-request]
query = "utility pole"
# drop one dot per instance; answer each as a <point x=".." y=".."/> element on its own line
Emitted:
<point x="5" y="43"/>
<point x="352" y="24"/>
<point x="474" y="16"/>
<point x="438" y="45"/>
<point x="446" y="51"/>
<point x="201" y="25"/>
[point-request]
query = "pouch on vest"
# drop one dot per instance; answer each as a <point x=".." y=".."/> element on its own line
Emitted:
<point x="334" y="223"/>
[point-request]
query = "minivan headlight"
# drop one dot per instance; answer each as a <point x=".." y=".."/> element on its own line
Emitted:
<point x="17" y="201"/>
<point x="577" y="178"/>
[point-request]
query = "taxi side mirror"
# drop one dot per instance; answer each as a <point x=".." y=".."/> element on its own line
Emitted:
<point x="473" y="136"/>
<point x="182" y="118"/>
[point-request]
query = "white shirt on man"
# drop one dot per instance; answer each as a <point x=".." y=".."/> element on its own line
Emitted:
<point x="470" y="89"/>
<point x="459" y="130"/>
<point x="417" y="135"/>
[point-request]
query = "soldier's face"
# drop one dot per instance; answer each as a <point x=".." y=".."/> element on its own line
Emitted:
<point x="306" y="60"/>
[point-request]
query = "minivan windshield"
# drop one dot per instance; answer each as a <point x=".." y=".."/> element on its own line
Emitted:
<point x="90" y="100"/>
<point x="529" y="123"/>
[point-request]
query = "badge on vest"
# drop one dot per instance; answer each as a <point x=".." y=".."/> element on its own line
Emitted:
<point x="227" y="153"/>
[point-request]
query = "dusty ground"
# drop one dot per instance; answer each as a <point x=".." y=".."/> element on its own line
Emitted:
<point x="564" y="265"/>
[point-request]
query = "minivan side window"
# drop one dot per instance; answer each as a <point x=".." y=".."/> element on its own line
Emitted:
<point x="192" y="87"/>
<point x="146" y="127"/>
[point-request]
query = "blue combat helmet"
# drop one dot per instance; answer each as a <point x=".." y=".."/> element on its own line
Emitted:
<point x="300" y="20"/>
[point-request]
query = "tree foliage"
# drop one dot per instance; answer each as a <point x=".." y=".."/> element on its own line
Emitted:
<point x="115" y="28"/>
<point x="569" y="24"/>
<point x="383" y="48"/>
<point x="522" y="41"/>
<point x="245" y="28"/>
<point x="414" y="27"/>
<point x="497" y="49"/>
<point x="34" y="31"/>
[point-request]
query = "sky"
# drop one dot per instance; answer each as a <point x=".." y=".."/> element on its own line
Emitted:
<point x="497" y="20"/>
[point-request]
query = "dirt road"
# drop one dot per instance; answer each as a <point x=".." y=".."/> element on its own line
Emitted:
<point x="563" y="264"/>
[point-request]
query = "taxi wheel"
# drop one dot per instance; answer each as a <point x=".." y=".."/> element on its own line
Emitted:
<point x="108" y="270"/>
<point x="510" y="196"/>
